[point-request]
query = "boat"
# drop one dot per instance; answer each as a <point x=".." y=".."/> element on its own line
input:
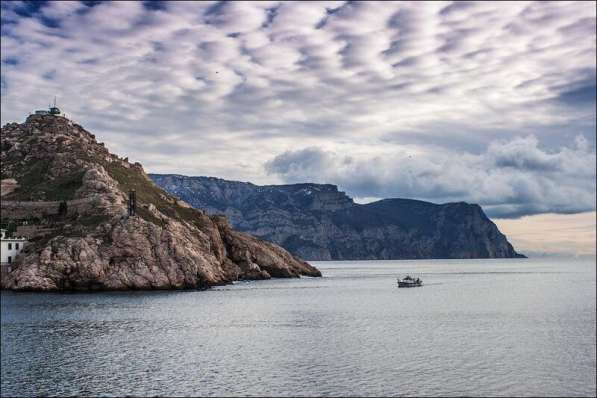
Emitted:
<point x="409" y="281"/>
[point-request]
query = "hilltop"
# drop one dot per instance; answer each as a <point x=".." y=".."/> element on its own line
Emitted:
<point x="319" y="222"/>
<point x="90" y="241"/>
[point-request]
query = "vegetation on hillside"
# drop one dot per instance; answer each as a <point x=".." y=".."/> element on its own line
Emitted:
<point x="148" y="193"/>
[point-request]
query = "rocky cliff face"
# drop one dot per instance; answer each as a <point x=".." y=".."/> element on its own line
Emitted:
<point x="318" y="222"/>
<point x="92" y="243"/>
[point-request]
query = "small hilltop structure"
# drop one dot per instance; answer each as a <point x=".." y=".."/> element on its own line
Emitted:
<point x="52" y="110"/>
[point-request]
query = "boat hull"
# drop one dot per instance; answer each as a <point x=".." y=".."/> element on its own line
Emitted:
<point x="406" y="284"/>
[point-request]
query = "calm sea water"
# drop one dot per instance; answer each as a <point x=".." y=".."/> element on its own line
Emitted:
<point x="486" y="327"/>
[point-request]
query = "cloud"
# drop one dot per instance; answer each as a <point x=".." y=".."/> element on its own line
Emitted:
<point x="510" y="179"/>
<point x="295" y="164"/>
<point x="225" y="87"/>
<point x="237" y="16"/>
<point x="61" y="9"/>
<point x="581" y="93"/>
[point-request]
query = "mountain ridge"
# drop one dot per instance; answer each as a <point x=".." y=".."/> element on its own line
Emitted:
<point x="320" y="222"/>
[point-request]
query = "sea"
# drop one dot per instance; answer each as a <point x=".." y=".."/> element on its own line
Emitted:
<point x="500" y="327"/>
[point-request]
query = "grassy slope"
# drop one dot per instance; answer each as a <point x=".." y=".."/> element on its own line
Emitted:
<point x="148" y="193"/>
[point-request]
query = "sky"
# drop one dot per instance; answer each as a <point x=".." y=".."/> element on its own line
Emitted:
<point x="485" y="102"/>
<point x="557" y="234"/>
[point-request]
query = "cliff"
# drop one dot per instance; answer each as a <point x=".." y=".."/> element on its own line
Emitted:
<point x="92" y="243"/>
<point x="318" y="222"/>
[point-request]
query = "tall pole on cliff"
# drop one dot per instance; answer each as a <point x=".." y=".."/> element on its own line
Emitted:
<point x="132" y="202"/>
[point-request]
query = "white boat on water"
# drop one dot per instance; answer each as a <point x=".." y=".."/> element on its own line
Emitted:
<point x="409" y="281"/>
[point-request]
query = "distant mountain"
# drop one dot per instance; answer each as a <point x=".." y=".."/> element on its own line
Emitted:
<point x="68" y="194"/>
<point x="318" y="222"/>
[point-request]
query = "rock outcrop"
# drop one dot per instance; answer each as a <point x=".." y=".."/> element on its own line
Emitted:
<point x="91" y="243"/>
<point x="318" y="222"/>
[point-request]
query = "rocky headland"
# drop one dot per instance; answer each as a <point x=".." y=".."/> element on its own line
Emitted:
<point x="68" y="194"/>
<point x="319" y="222"/>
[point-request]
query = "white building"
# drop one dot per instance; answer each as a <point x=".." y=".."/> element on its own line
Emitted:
<point x="10" y="247"/>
